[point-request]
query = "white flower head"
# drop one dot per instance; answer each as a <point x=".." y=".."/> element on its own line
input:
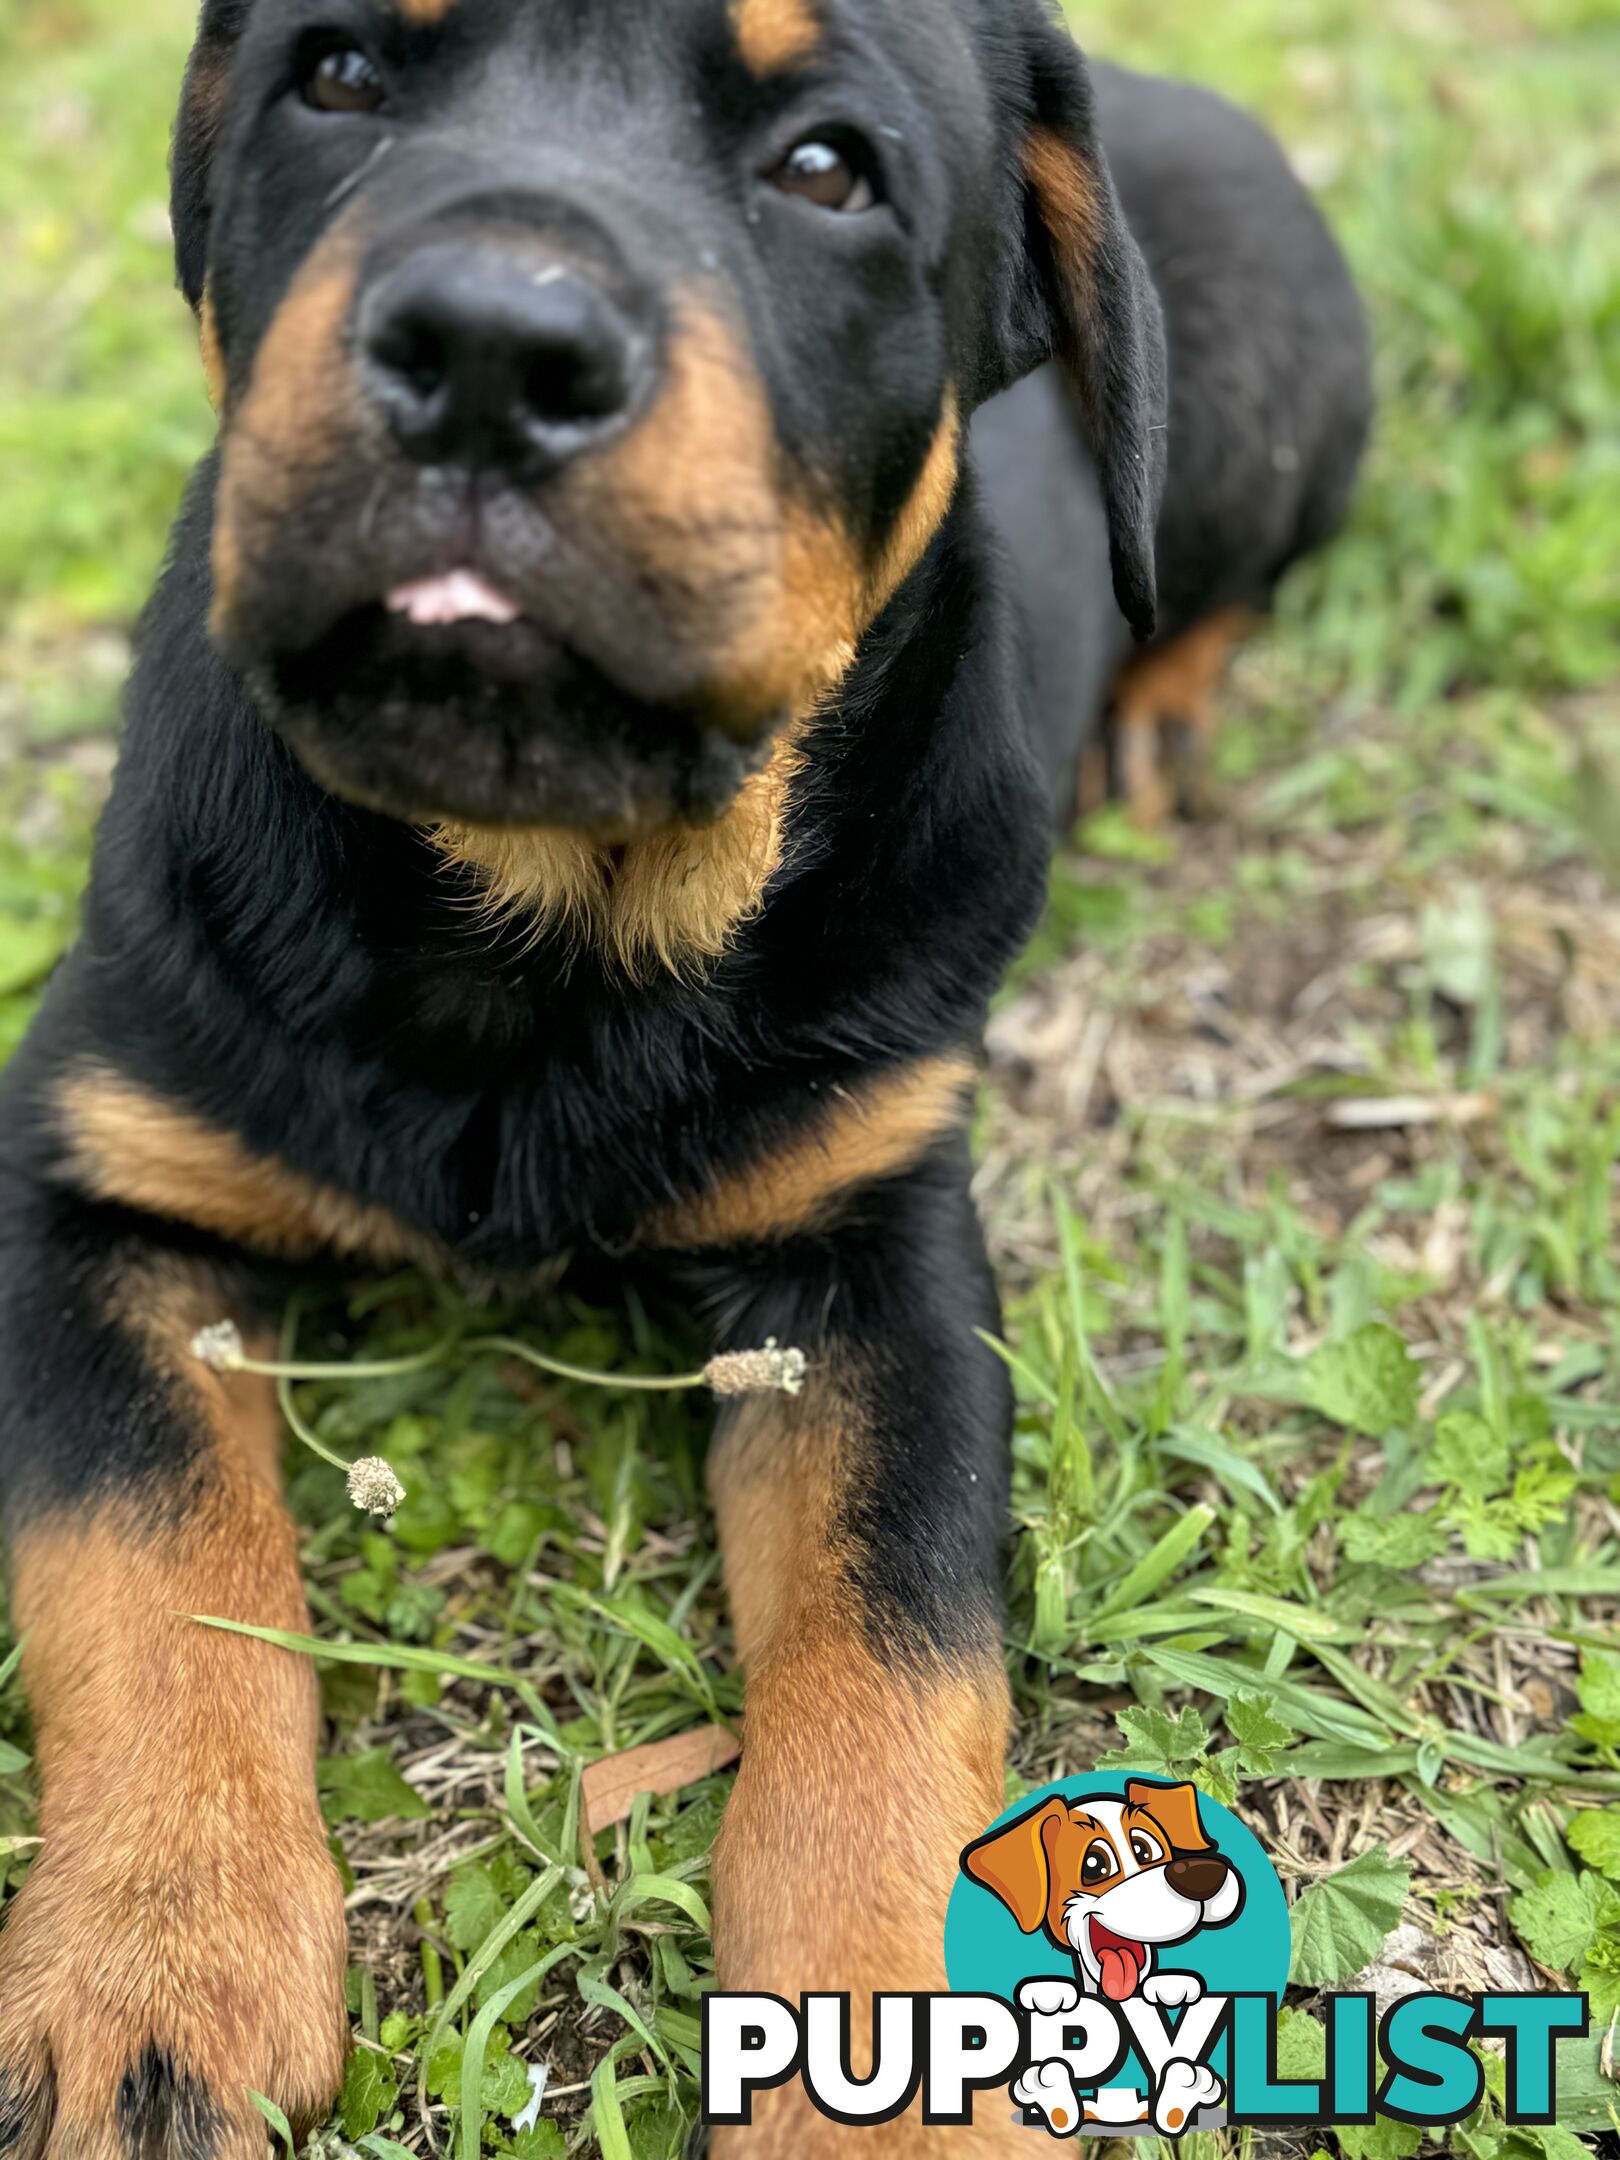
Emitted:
<point x="771" y="1371"/>
<point x="219" y="1347"/>
<point x="374" y="1486"/>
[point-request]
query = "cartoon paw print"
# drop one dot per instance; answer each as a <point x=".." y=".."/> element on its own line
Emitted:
<point x="1173" y="1990"/>
<point x="1049" y="2088"/>
<point x="1183" y="2089"/>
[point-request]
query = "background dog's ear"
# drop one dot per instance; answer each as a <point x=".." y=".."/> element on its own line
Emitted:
<point x="1014" y="1864"/>
<point x="196" y="132"/>
<point x="1086" y="299"/>
<point x="1175" y="1809"/>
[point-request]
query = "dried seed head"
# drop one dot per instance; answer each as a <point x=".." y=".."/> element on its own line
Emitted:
<point x="219" y="1347"/>
<point x="374" y="1485"/>
<point x="771" y="1371"/>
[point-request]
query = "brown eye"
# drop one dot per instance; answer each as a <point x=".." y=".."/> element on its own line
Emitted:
<point x="341" y="79"/>
<point x="825" y="175"/>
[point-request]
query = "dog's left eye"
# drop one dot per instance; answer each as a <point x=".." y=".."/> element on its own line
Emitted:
<point x="340" y="79"/>
<point x="827" y="174"/>
<point x="1144" y="1850"/>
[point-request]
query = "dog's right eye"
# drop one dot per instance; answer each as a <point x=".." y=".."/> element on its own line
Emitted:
<point x="1097" y="1864"/>
<point x="833" y="174"/>
<point x="340" y="79"/>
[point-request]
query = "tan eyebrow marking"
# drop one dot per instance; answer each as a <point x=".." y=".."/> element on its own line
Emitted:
<point x="775" y="34"/>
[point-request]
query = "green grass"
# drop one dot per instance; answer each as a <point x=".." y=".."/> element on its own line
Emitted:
<point x="1301" y="1155"/>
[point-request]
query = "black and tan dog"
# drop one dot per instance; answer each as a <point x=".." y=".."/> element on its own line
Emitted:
<point x="593" y="535"/>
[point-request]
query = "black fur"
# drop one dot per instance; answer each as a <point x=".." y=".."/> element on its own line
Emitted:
<point x="163" y="2111"/>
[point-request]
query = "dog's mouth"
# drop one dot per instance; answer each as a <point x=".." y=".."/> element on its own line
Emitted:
<point x="444" y="697"/>
<point x="1120" y="1962"/>
<point x="455" y="596"/>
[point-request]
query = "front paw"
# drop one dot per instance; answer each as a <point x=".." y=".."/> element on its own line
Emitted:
<point x="1183" y="2089"/>
<point x="1048" y="1998"/>
<point x="144" y="1995"/>
<point x="1172" y="1990"/>
<point x="1048" y="2087"/>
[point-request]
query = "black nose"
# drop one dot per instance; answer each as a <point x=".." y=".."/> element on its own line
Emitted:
<point x="479" y="359"/>
<point x="1197" y="1876"/>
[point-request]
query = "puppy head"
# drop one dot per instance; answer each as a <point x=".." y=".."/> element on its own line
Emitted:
<point x="1111" y="1879"/>
<point x="591" y="377"/>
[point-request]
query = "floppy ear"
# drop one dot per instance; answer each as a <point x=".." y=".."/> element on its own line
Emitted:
<point x="1175" y="1809"/>
<point x="1092" y="306"/>
<point x="196" y="132"/>
<point x="1014" y="1864"/>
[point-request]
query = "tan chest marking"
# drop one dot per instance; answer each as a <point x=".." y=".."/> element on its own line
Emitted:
<point x="131" y="1147"/>
<point x="674" y="900"/>
<point x="865" y="1133"/>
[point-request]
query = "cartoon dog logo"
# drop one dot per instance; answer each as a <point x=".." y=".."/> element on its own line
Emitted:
<point x="1113" y="1882"/>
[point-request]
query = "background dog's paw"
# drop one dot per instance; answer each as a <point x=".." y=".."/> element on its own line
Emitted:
<point x="1171" y="1990"/>
<point x="1048" y="1998"/>
<point x="1183" y="2089"/>
<point x="1049" y="2088"/>
<point x="139" y="2010"/>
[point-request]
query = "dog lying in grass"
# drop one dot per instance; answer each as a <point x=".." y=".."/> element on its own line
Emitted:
<point x="688" y="481"/>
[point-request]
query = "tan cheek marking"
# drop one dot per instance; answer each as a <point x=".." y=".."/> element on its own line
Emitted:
<point x="213" y="359"/>
<point x="424" y="13"/>
<point x="760" y="590"/>
<point x="925" y="510"/>
<point x="827" y="597"/>
<point x="184" y="1890"/>
<point x="775" y="34"/>
<point x="698" y="494"/>
<point x="291" y="418"/>
<point x="131" y="1147"/>
<point x="753" y="591"/>
<point x="870" y="1132"/>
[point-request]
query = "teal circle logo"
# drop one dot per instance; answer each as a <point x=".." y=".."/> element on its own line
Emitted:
<point x="1117" y="1884"/>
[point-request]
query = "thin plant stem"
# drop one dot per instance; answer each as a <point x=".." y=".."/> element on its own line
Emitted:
<point x="283" y="1377"/>
<point x="286" y="1369"/>
<point x="645" y="1383"/>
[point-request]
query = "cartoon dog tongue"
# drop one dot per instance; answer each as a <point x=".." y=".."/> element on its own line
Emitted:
<point x="1119" y="1962"/>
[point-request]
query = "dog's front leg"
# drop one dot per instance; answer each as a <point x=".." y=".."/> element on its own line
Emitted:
<point x="862" y="1526"/>
<point x="179" y="1943"/>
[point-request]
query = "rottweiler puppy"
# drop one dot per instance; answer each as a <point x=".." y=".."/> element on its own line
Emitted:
<point x="594" y="543"/>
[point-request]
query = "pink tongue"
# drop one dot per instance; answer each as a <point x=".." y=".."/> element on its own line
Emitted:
<point x="1119" y="1971"/>
<point x="461" y="596"/>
